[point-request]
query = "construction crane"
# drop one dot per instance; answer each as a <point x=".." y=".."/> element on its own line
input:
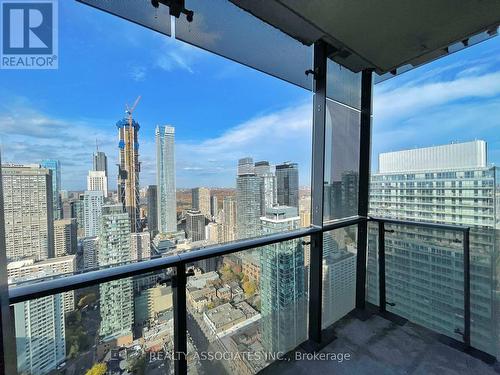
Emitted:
<point x="129" y="111"/>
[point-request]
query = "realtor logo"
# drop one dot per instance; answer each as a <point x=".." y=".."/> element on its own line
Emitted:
<point x="29" y="34"/>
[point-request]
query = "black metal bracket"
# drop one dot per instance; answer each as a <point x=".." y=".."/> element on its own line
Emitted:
<point x="176" y="7"/>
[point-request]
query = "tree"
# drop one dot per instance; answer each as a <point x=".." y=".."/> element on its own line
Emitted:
<point x="249" y="287"/>
<point x="98" y="369"/>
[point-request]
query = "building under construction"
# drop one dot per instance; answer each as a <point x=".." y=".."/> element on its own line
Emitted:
<point x="129" y="166"/>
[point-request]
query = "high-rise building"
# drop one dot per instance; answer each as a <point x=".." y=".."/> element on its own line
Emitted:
<point x="40" y="334"/>
<point x="100" y="162"/>
<point x="65" y="237"/>
<point x="97" y="181"/>
<point x="29" y="224"/>
<point x="214" y="206"/>
<point x="140" y="246"/>
<point x="92" y="211"/>
<point x="116" y="301"/>
<point x="165" y="179"/>
<point x="195" y="225"/>
<point x="450" y="184"/>
<point x="287" y="180"/>
<point x="152" y="200"/>
<point x="90" y="248"/>
<point x="129" y="168"/>
<point x="55" y="167"/>
<point x="79" y="212"/>
<point x="201" y="200"/>
<point x="268" y="197"/>
<point x="247" y="202"/>
<point x="282" y="284"/>
<point x="228" y="219"/>
<point x="246" y="166"/>
<point x="29" y="268"/>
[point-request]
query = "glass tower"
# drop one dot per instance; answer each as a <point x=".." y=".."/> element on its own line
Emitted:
<point x="165" y="179"/>
<point x="287" y="178"/>
<point x="247" y="200"/>
<point x="55" y="167"/>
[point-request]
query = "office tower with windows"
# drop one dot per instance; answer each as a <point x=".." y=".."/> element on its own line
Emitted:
<point x="247" y="200"/>
<point x="79" y="212"/>
<point x="92" y="210"/>
<point x="55" y="167"/>
<point x="97" y="181"/>
<point x="65" y="237"/>
<point x="228" y="219"/>
<point x="165" y="179"/>
<point x="287" y="184"/>
<point x="100" y="162"/>
<point x="152" y="201"/>
<point x="28" y="200"/>
<point x="201" y="200"/>
<point x="90" y="248"/>
<point x="116" y="301"/>
<point x="214" y="207"/>
<point x="450" y="184"/>
<point x="129" y="168"/>
<point x="246" y="166"/>
<point x="268" y="192"/>
<point x="195" y="225"/>
<point x="29" y="268"/>
<point x="140" y="246"/>
<point x="40" y="334"/>
<point x="282" y="284"/>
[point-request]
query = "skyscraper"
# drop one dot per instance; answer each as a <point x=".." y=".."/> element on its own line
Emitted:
<point x="117" y="312"/>
<point x="65" y="237"/>
<point x="443" y="184"/>
<point x="287" y="180"/>
<point x="229" y="219"/>
<point x="129" y="168"/>
<point x="92" y="210"/>
<point x="195" y="225"/>
<point x="165" y="179"/>
<point x="201" y="200"/>
<point x="29" y="224"/>
<point x="282" y="284"/>
<point x="97" y="181"/>
<point x="140" y="246"/>
<point x="55" y="167"/>
<point x="100" y="164"/>
<point x="247" y="200"/>
<point x="152" y="199"/>
<point x="268" y="196"/>
<point x="90" y="247"/>
<point x="214" y="206"/>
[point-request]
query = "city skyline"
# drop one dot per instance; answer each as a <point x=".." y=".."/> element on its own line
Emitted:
<point x="210" y="140"/>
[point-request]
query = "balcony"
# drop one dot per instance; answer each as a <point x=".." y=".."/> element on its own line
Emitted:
<point x="295" y="282"/>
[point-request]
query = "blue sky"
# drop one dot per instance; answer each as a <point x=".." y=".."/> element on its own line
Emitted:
<point x="221" y="111"/>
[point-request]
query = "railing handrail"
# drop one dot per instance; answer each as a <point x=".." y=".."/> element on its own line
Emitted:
<point x="50" y="287"/>
<point x="451" y="227"/>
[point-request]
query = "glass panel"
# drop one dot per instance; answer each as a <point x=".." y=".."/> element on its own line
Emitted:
<point x="141" y="12"/>
<point x="339" y="274"/>
<point x="424" y="277"/>
<point x="119" y="325"/>
<point x="342" y="85"/>
<point x="223" y="28"/>
<point x="341" y="161"/>
<point x="246" y="310"/>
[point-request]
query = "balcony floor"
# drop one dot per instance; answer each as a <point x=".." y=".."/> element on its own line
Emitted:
<point x="378" y="346"/>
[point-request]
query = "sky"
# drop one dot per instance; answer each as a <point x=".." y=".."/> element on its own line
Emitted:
<point x="221" y="110"/>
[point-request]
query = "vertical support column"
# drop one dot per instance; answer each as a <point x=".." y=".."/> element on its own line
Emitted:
<point x="364" y="184"/>
<point x="381" y="267"/>
<point x="467" y="287"/>
<point x="180" y="320"/>
<point x="8" y="356"/>
<point x="317" y="184"/>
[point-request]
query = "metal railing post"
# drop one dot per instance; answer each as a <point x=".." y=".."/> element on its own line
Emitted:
<point x="180" y="319"/>
<point x="317" y="183"/>
<point x="364" y="184"/>
<point x="467" y="287"/>
<point x="381" y="267"/>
